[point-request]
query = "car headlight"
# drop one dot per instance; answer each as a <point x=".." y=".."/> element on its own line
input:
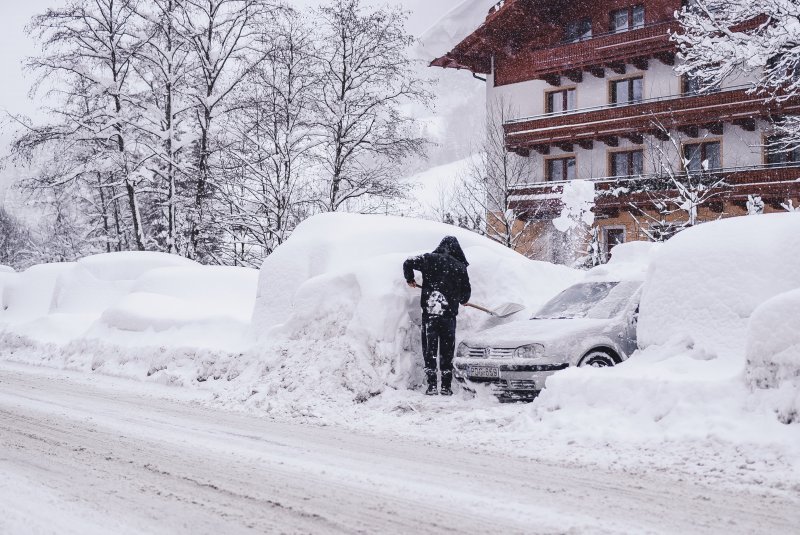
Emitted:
<point x="530" y="351"/>
<point x="462" y="350"/>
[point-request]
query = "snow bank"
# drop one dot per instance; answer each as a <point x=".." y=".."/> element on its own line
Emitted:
<point x="133" y="299"/>
<point x="773" y="353"/>
<point x="6" y="269"/>
<point x="706" y="282"/>
<point x="98" y="281"/>
<point x="334" y="301"/>
<point x="179" y="297"/>
<point x="30" y="295"/>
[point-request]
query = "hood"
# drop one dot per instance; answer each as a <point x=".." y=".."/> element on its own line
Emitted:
<point x="519" y="333"/>
<point x="450" y="246"/>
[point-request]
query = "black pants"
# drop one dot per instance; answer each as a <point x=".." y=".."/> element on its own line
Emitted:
<point x="439" y="336"/>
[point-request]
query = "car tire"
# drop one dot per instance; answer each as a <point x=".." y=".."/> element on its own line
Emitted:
<point x="599" y="358"/>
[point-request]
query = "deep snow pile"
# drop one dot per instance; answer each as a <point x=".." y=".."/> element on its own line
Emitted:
<point x="332" y="302"/>
<point x="773" y="353"/>
<point x="131" y="298"/>
<point x="701" y="290"/>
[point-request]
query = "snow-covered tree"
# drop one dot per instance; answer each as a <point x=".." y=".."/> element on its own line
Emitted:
<point x="164" y="65"/>
<point x="722" y="39"/>
<point x="269" y="161"/>
<point x="226" y="38"/>
<point x="574" y="223"/>
<point x="755" y="205"/>
<point x="88" y="48"/>
<point x="367" y="79"/>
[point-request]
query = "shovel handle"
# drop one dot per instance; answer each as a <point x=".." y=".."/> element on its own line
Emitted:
<point x="482" y="309"/>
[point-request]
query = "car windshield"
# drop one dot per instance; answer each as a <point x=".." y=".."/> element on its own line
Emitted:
<point x="597" y="300"/>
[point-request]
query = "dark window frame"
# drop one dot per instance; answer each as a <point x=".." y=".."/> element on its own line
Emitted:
<point x="612" y="91"/>
<point x="703" y="155"/>
<point x="564" y="92"/>
<point x="578" y="30"/>
<point x="612" y="162"/>
<point x="778" y="156"/>
<point x="564" y="161"/>
<point x="631" y="12"/>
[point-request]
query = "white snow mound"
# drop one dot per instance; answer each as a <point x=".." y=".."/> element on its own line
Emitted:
<point x="773" y="352"/>
<point x="704" y="283"/>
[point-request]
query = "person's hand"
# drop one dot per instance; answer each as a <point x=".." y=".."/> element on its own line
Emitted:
<point x="412" y="284"/>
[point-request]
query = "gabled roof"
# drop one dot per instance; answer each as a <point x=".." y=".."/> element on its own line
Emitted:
<point x="508" y="24"/>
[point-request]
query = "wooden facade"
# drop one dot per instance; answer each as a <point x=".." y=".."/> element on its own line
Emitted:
<point x="532" y="46"/>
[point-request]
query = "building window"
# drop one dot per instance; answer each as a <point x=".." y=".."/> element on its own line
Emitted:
<point x="561" y="101"/>
<point x="628" y="163"/>
<point x="578" y="30"/>
<point x="627" y="91"/>
<point x="699" y="157"/>
<point x="777" y="151"/>
<point x="612" y="236"/>
<point x="560" y="169"/>
<point x="630" y="18"/>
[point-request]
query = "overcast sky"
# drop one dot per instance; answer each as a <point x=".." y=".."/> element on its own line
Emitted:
<point x="15" y="45"/>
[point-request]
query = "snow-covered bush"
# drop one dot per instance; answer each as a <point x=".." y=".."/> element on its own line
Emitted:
<point x="773" y="352"/>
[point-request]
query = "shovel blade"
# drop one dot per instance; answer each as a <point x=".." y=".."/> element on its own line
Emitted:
<point x="507" y="309"/>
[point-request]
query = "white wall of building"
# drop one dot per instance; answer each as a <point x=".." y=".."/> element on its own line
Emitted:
<point x="527" y="99"/>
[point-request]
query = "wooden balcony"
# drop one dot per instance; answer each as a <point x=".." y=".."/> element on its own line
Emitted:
<point x="650" y="116"/>
<point x="611" y="50"/>
<point x="773" y="183"/>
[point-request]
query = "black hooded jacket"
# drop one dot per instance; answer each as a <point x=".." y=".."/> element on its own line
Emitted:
<point x="445" y="282"/>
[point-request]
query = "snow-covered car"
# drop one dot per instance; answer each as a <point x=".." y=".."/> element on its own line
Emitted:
<point x="588" y="324"/>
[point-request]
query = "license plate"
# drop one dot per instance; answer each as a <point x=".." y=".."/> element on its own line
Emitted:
<point x="483" y="371"/>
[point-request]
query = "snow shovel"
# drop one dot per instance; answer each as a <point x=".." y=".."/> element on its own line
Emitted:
<point x="503" y="311"/>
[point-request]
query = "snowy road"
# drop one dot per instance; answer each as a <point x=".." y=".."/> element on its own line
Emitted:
<point x="81" y="455"/>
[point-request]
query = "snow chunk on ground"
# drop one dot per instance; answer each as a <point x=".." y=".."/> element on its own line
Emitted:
<point x="6" y="269"/>
<point x="705" y="282"/>
<point x="773" y="353"/>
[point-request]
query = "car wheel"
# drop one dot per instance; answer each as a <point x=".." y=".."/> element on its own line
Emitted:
<point x="598" y="358"/>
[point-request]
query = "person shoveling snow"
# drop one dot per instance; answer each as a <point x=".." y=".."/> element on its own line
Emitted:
<point x="445" y="285"/>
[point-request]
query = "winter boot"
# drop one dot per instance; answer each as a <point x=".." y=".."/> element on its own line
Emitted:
<point x="447" y="380"/>
<point x="431" y="375"/>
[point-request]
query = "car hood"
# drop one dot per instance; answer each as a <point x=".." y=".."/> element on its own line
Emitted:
<point x="518" y="333"/>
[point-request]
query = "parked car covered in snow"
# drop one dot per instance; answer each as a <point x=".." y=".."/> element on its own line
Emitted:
<point x="588" y="324"/>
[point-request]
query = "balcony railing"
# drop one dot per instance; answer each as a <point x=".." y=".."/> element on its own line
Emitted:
<point x="644" y="116"/>
<point x="776" y="179"/>
<point x="665" y="98"/>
